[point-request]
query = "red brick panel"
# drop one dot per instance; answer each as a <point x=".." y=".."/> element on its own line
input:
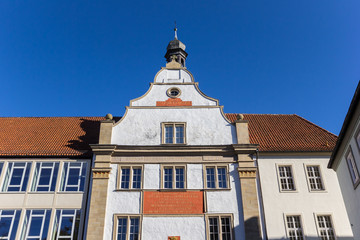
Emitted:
<point x="173" y="202"/>
<point x="173" y="102"/>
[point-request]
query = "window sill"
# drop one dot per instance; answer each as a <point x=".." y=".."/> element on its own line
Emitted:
<point x="173" y="144"/>
<point x="217" y="189"/>
<point x="128" y="190"/>
<point x="173" y="190"/>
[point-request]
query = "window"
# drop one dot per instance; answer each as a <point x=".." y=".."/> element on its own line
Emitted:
<point x="130" y="177"/>
<point x="9" y="221"/>
<point x="216" y="177"/>
<point x="174" y="177"/>
<point x="219" y="227"/>
<point x="36" y="224"/>
<point x="357" y="138"/>
<point x="73" y="176"/>
<point x="352" y="167"/>
<point x="45" y="176"/>
<point x="314" y="178"/>
<point x="294" y="228"/>
<point x="127" y="227"/>
<point x="16" y="177"/>
<point x="67" y="223"/>
<point x="173" y="92"/>
<point x="173" y="133"/>
<point x="1" y="166"/>
<point x="325" y="227"/>
<point x="286" y="178"/>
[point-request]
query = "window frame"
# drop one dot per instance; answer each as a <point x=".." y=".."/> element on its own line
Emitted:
<point x="131" y="167"/>
<point x="65" y="176"/>
<point x="216" y="166"/>
<point x="173" y="124"/>
<point x="292" y="176"/>
<point x="13" y="225"/>
<point x="219" y="216"/>
<point x="58" y="220"/>
<point x="323" y="189"/>
<point x="173" y="167"/>
<point x="318" y="226"/>
<point x="128" y="217"/>
<point x="353" y="168"/>
<point x="9" y="175"/>
<point x="300" y="221"/>
<point x="53" y="178"/>
<point x="357" y="139"/>
<point x="44" y="226"/>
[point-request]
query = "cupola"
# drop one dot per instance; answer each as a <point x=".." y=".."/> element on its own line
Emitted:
<point x="176" y="48"/>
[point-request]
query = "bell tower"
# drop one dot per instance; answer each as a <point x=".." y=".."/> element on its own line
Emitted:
<point x="177" y="49"/>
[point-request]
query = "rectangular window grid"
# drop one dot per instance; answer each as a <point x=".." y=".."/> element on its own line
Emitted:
<point x="216" y="177"/>
<point x="128" y="228"/>
<point x="17" y="176"/>
<point x="219" y="228"/>
<point x="74" y="174"/>
<point x="174" y="133"/>
<point x="130" y="177"/>
<point x="326" y="229"/>
<point x="354" y="172"/>
<point x="286" y="178"/>
<point x="67" y="224"/>
<point x="174" y="177"/>
<point x="45" y="176"/>
<point x="294" y="228"/>
<point x="36" y="224"/>
<point x="314" y="177"/>
<point x="9" y="221"/>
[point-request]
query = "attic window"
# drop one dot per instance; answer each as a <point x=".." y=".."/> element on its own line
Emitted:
<point x="173" y="92"/>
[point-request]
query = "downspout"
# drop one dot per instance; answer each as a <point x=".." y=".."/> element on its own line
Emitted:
<point x="261" y="202"/>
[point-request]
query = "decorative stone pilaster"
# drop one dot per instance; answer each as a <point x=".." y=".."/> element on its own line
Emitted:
<point x="100" y="181"/>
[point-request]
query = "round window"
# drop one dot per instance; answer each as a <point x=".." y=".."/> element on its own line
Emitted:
<point x="173" y="92"/>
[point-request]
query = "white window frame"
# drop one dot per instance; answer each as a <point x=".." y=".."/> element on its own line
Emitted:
<point x="27" y="223"/>
<point x="286" y="178"/>
<point x="37" y="175"/>
<point x="173" y="167"/>
<point x="128" y="223"/>
<point x="357" y="139"/>
<point x="216" y="167"/>
<point x="65" y="176"/>
<point x="58" y="222"/>
<point x="326" y="228"/>
<point x="13" y="225"/>
<point x="314" y="178"/>
<point x="295" y="229"/>
<point x="353" y="169"/>
<point x="220" y="226"/>
<point x="174" y="132"/>
<point x="9" y="175"/>
<point x="131" y="180"/>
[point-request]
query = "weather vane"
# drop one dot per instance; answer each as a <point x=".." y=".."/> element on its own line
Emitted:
<point x="175" y="29"/>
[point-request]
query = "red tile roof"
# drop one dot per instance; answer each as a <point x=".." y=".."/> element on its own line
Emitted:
<point x="287" y="133"/>
<point x="48" y="136"/>
<point x="71" y="136"/>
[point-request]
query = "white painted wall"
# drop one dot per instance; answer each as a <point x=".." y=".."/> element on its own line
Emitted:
<point x="351" y="195"/>
<point x="173" y="76"/>
<point x="159" y="93"/>
<point x="192" y="227"/>
<point x="188" y="228"/>
<point x="302" y="201"/>
<point x="204" y="126"/>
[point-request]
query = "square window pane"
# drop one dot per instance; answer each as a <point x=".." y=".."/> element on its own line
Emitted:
<point x="210" y="177"/>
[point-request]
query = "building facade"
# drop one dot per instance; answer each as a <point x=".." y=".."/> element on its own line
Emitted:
<point x="345" y="160"/>
<point x="175" y="166"/>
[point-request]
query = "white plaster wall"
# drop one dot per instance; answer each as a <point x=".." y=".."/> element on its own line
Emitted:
<point x="118" y="202"/>
<point x="173" y="76"/>
<point x="302" y="201"/>
<point x="159" y="93"/>
<point x="151" y="176"/>
<point x="229" y="201"/>
<point x="195" y="179"/>
<point x="204" y="126"/>
<point x="188" y="228"/>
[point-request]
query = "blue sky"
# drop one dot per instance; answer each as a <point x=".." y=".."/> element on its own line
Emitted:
<point x="89" y="58"/>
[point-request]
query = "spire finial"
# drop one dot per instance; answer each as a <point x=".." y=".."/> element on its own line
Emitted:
<point x="175" y="30"/>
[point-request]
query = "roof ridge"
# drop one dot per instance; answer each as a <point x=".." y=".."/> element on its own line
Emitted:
<point x="60" y="117"/>
<point x="323" y="129"/>
<point x="281" y="114"/>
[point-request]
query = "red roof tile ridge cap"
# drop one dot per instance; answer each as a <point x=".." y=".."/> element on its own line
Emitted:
<point x="316" y="125"/>
<point x="284" y="114"/>
<point x="60" y="117"/>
